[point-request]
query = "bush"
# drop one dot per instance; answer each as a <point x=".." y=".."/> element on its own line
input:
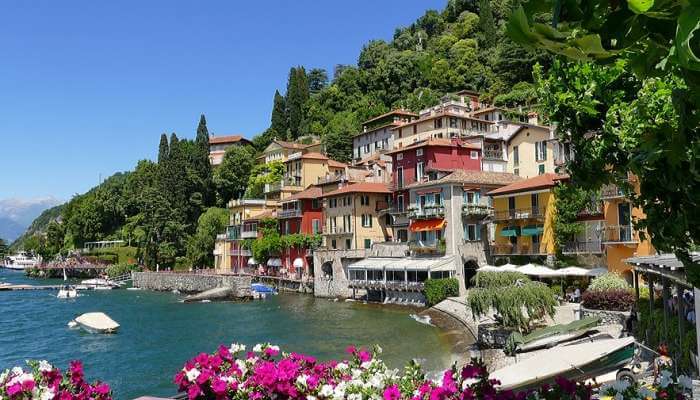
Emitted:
<point x="653" y="322"/>
<point x="610" y="300"/>
<point x="609" y="281"/>
<point x="488" y="279"/>
<point x="437" y="290"/>
<point x="121" y="269"/>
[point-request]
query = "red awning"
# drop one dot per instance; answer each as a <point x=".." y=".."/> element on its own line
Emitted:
<point x="427" y="225"/>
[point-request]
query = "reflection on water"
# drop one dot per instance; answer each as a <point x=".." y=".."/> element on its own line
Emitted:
<point x="159" y="333"/>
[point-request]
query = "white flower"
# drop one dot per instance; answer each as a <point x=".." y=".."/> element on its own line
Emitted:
<point x="341" y="366"/>
<point x="44" y="366"/>
<point x="376" y="381"/>
<point x="228" y="379"/>
<point x="685" y="381"/>
<point x="339" y="391"/>
<point x="46" y="393"/>
<point x="242" y="366"/>
<point x="355" y="396"/>
<point x="275" y="348"/>
<point x="235" y="348"/>
<point x="21" y="378"/>
<point x="251" y="360"/>
<point x="326" y="391"/>
<point x="257" y="348"/>
<point x="378" y="349"/>
<point x="468" y="382"/>
<point x="301" y="379"/>
<point x="192" y="374"/>
<point x="17" y="371"/>
<point x="366" y="365"/>
<point x="4" y="375"/>
<point x="310" y="397"/>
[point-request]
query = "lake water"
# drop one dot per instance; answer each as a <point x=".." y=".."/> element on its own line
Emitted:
<point x="159" y="333"/>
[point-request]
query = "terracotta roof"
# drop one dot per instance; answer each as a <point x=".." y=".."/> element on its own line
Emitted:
<point x="294" y="145"/>
<point x="443" y="114"/>
<point x="265" y="214"/>
<point x="435" y="142"/>
<point x="466" y="91"/>
<point x="392" y="112"/>
<point x="543" y="181"/>
<point x="227" y="139"/>
<point x="460" y="176"/>
<point x="485" y="110"/>
<point x="362" y="187"/>
<point x="376" y="128"/>
<point x="312" y="192"/>
<point x="336" y="164"/>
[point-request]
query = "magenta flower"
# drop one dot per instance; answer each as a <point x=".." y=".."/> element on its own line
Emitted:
<point x="392" y="393"/>
<point x="364" y="356"/>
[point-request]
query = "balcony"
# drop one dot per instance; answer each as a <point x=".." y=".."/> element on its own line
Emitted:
<point x="477" y="210"/>
<point x="624" y="234"/>
<point x="611" y="191"/>
<point x="390" y="285"/>
<point x="493" y="155"/>
<point x="509" y="249"/>
<point x="273" y="187"/>
<point x="221" y="236"/>
<point x="591" y="247"/>
<point x="240" y="252"/>
<point x="536" y="213"/>
<point x="330" y="178"/>
<point x="427" y="248"/>
<point x="291" y="213"/>
<point x="337" y="230"/>
<point x="427" y="212"/>
<point x="249" y="234"/>
<point x="594" y="209"/>
<point x="292" y="181"/>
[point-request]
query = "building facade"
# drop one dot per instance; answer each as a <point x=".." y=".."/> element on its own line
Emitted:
<point x="300" y="214"/>
<point x="377" y="135"/>
<point x="219" y="144"/>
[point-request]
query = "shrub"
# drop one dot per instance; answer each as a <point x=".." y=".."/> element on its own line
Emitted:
<point x="517" y="305"/>
<point x="121" y="269"/>
<point x="653" y="322"/>
<point x="488" y="279"/>
<point x="609" y="281"/>
<point x="437" y="290"/>
<point x="610" y="300"/>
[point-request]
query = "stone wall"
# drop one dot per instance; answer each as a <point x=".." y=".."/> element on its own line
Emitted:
<point x="191" y="283"/>
<point x="606" y="317"/>
<point x="330" y="271"/>
<point x="492" y="335"/>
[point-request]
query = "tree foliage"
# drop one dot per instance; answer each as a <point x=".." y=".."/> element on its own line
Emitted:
<point x="201" y="245"/>
<point x="231" y="177"/>
<point x="262" y="174"/>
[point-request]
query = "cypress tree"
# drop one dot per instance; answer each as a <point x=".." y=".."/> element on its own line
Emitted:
<point x="202" y="166"/>
<point x="278" y="120"/>
<point x="202" y="139"/>
<point x="487" y="22"/>
<point x="297" y="94"/>
<point x="163" y="149"/>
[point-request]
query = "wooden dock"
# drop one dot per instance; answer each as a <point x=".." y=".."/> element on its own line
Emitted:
<point x="8" y="287"/>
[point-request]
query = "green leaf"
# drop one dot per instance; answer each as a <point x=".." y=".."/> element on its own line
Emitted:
<point x="686" y="41"/>
<point x="640" y="6"/>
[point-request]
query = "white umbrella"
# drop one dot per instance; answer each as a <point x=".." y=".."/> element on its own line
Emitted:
<point x="537" y="270"/>
<point x="597" y="271"/>
<point x="574" y="271"/>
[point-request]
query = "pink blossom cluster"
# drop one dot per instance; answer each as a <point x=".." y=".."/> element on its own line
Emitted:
<point x="42" y="381"/>
<point x="266" y="373"/>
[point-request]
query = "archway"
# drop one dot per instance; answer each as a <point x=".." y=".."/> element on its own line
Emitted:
<point x="470" y="267"/>
<point x="327" y="269"/>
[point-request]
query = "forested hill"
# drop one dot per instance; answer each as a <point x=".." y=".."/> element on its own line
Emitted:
<point x="463" y="46"/>
<point x="172" y="208"/>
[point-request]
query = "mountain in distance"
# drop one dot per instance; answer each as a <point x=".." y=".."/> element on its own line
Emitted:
<point x="16" y="215"/>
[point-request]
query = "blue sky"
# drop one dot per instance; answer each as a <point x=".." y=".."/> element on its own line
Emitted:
<point x="86" y="87"/>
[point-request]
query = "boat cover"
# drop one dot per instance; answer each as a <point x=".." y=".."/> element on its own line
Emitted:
<point x="516" y="339"/>
<point x="98" y="321"/>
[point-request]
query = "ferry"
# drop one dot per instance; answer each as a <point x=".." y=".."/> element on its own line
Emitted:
<point x="20" y="261"/>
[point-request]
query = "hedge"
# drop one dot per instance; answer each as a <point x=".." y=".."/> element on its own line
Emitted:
<point x="437" y="290"/>
<point x="121" y="269"/>
<point x="610" y="300"/>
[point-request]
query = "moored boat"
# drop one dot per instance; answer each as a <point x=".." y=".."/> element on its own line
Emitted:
<point x="20" y="261"/>
<point x="97" y="322"/>
<point x="97" y="284"/>
<point x="67" y="292"/>
<point x="260" y="290"/>
<point x="573" y="361"/>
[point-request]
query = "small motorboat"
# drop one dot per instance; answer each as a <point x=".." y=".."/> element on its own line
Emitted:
<point x="67" y="292"/>
<point x="97" y="284"/>
<point x="550" y="336"/>
<point x="579" y="361"/>
<point x="96" y="322"/>
<point x="260" y="291"/>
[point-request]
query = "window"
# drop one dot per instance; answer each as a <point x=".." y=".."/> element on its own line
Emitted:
<point x="334" y="245"/>
<point x="541" y="151"/>
<point x="364" y="200"/>
<point x="399" y="177"/>
<point x="347" y="223"/>
<point x="420" y="171"/>
<point x="472" y="197"/>
<point x="286" y="227"/>
<point x="511" y="206"/>
<point x="415" y="129"/>
<point x="516" y="171"/>
<point x="474" y="154"/>
<point x="472" y="232"/>
<point x="400" y="133"/>
<point x="368" y="243"/>
<point x="453" y="122"/>
<point x="437" y="123"/>
<point x="367" y="148"/>
<point x="348" y="244"/>
<point x="399" y="202"/>
<point x="540" y="169"/>
<point x="419" y="152"/>
<point x="314" y="203"/>
<point x="535" y="202"/>
<point x="438" y="199"/>
<point x="516" y="156"/>
<point x="316" y="226"/>
<point x="366" y="220"/>
<point x="399" y="156"/>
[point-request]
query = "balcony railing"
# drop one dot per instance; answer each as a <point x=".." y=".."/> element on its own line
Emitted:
<point x="337" y="230"/>
<point x="590" y="247"/>
<point x="477" y="210"/>
<point x="520" y="213"/>
<point x="221" y="236"/>
<point x="291" y="213"/>
<point x="433" y="248"/>
<point x="241" y="252"/>
<point x="273" y="187"/>
<point x="426" y="212"/>
<point x="619" y="234"/>
<point x="249" y="234"/>
<point x="331" y="178"/>
<point x="493" y="155"/>
<point x="391" y="285"/>
<point x="292" y="181"/>
<point x="509" y="249"/>
<point x="611" y="191"/>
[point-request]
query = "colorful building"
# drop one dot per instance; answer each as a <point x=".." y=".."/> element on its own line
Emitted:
<point x="279" y="150"/>
<point x="303" y="169"/>
<point x="219" y="144"/>
<point x="301" y="213"/>
<point x="377" y="136"/>
<point x="351" y="216"/>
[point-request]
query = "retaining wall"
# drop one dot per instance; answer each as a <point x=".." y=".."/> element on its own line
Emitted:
<point x="191" y="283"/>
<point x="606" y="317"/>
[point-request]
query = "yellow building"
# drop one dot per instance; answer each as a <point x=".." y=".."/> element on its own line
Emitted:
<point x="351" y="216"/>
<point x="619" y="237"/>
<point x="524" y="217"/>
<point x="279" y="150"/>
<point x="301" y="171"/>
<point x="533" y="150"/>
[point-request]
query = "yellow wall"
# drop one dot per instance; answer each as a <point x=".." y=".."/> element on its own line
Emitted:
<point x="528" y="167"/>
<point x="376" y="233"/>
<point x="222" y="260"/>
<point x="546" y="200"/>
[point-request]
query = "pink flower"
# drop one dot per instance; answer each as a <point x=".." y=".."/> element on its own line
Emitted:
<point x="270" y="352"/>
<point x="350" y="350"/>
<point x="193" y="392"/>
<point x="218" y="387"/>
<point x="14" y="389"/>
<point x="364" y="356"/>
<point x="392" y="393"/>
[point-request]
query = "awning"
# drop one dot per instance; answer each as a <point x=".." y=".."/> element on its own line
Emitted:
<point x="405" y="263"/>
<point x="532" y="230"/>
<point x="298" y="263"/>
<point x="274" y="262"/>
<point x="427" y="225"/>
<point x="428" y="191"/>
<point x="252" y="261"/>
<point x="510" y="231"/>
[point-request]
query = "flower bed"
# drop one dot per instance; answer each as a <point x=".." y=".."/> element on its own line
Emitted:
<point x="46" y="382"/>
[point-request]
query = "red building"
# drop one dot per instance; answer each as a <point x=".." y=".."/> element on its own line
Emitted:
<point x="301" y="213"/>
<point x="419" y="162"/>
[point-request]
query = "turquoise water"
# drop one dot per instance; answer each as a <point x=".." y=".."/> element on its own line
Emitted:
<point x="159" y="333"/>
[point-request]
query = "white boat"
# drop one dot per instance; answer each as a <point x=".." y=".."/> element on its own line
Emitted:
<point x="97" y="284"/>
<point x="578" y="361"/>
<point x="97" y="322"/>
<point x="20" y="261"/>
<point x="67" y="292"/>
